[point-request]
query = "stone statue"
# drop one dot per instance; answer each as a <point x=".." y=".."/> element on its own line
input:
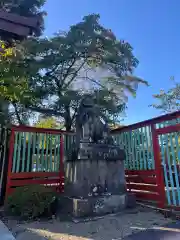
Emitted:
<point x="94" y="170"/>
<point x="91" y="125"/>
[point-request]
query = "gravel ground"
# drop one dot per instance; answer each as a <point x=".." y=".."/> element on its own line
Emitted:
<point x="110" y="227"/>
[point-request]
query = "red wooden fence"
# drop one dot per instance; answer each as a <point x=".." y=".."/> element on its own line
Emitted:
<point x="143" y="183"/>
<point x="149" y="184"/>
<point x="53" y="179"/>
<point x="146" y="180"/>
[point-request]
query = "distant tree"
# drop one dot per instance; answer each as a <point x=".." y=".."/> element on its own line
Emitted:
<point x="47" y="122"/>
<point x="50" y="123"/>
<point x="168" y="101"/>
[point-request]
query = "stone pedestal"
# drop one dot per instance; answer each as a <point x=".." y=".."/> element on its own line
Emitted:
<point x="93" y="206"/>
<point x="95" y="181"/>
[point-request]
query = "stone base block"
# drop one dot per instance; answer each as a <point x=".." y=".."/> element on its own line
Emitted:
<point x="93" y="206"/>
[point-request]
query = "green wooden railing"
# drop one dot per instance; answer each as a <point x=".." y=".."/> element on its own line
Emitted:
<point x="36" y="152"/>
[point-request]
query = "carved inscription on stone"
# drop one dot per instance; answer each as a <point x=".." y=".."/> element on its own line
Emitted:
<point x="100" y="152"/>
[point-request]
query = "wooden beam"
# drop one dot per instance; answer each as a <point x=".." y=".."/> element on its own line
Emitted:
<point x="10" y="27"/>
<point x="31" y="22"/>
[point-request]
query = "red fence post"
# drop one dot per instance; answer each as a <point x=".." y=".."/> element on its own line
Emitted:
<point x="10" y="162"/>
<point x="158" y="168"/>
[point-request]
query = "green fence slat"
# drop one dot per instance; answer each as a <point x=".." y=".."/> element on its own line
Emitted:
<point x="50" y="154"/>
<point x="170" y="170"/>
<point x="29" y="155"/>
<point x="58" y="153"/>
<point x="143" y="149"/>
<point x="139" y="146"/>
<point x="133" y="150"/>
<point x="66" y="143"/>
<point x="129" y="157"/>
<point x="18" y="160"/>
<point x="47" y="149"/>
<point x="15" y="153"/>
<point x="38" y="156"/>
<point x="55" y="155"/>
<point x="126" y="160"/>
<point x="147" y="147"/>
<point x="138" y="160"/>
<point x="178" y="120"/>
<point x="43" y="166"/>
<point x="122" y="140"/>
<point x="151" y="148"/>
<point x="164" y="168"/>
<point x="177" y="137"/>
<point x="24" y="151"/>
<point x="172" y="146"/>
<point x="34" y="159"/>
<point x="129" y="150"/>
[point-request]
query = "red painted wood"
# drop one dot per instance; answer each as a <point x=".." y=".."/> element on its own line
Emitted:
<point x="10" y="161"/>
<point x="158" y="168"/>
<point x="168" y="129"/>
<point x="148" y="122"/>
<point x="141" y="179"/>
<point x="18" y="183"/>
<point x="142" y="187"/>
<point x="39" y="130"/>
<point x="33" y="175"/>
<point x="146" y="196"/>
<point x="140" y="172"/>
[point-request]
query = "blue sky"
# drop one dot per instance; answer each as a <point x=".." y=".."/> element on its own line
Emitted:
<point x="152" y="27"/>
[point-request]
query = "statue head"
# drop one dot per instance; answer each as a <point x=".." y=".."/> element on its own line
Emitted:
<point x="87" y="102"/>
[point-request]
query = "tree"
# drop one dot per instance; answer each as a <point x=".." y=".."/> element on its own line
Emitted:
<point x="76" y="56"/>
<point x="168" y="101"/>
<point x="13" y="79"/>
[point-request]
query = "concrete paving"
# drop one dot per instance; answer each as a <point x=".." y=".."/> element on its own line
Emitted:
<point x="168" y="232"/>
<point x="5" y="234"/>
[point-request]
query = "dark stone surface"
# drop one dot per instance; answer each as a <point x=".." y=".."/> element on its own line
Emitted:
<point x="157" y="234"/>
<point x="100" y="151"/>
<point x="92" y="206"/>
<point x="82" y="175"/>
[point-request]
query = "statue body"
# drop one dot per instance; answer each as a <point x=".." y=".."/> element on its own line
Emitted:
<point x="91" y="125"/>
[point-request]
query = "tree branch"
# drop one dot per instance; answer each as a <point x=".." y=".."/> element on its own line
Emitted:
<point x="75" y="74"/>
<point x="45" y="111"/>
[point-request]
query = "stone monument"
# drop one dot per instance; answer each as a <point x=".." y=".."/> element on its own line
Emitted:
<point x="94" y="170"/>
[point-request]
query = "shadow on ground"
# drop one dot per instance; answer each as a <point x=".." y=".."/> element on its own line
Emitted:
<point x="168" y="232"/>
<point x="107" y="228"/>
